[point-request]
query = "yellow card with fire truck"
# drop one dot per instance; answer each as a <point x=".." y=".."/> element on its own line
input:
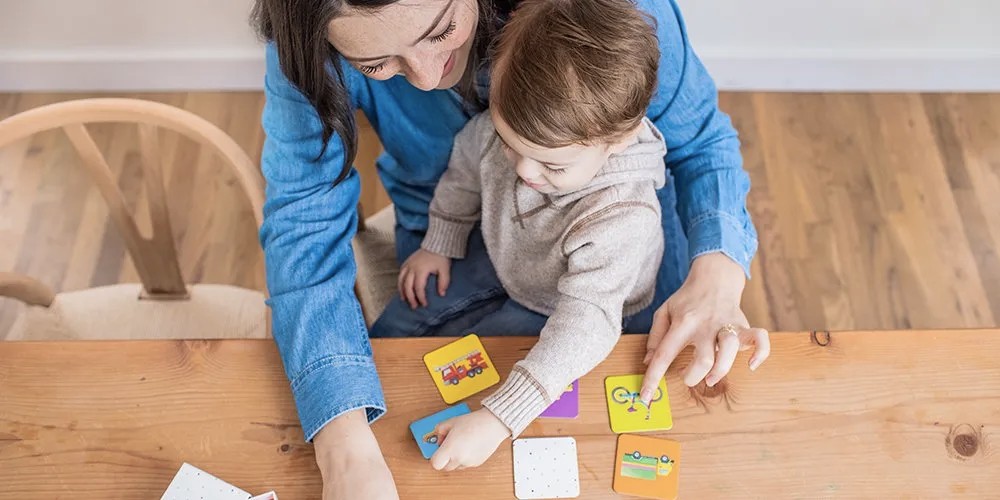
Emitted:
<point x="461" y="368"/>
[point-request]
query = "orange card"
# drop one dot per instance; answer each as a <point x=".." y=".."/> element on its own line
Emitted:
<point x="647" y="467"/>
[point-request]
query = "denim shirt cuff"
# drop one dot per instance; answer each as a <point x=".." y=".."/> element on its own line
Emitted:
<point x="724" y="233"/>
<point x="335" y="385"/>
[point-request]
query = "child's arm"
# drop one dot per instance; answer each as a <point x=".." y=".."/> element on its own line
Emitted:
<point x="606" y="257"/>
<point x="453" y="213"/>
<point x="456" y="206"/>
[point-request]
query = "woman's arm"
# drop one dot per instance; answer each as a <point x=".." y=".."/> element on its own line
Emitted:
<point x="308" y="226"/>
<point x="703" y="147"/>
<point x="457" y="203"/>
<point x="711" y="186"/>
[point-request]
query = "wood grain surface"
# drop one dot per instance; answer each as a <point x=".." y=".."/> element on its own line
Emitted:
<point x="875" y="211"/>
<point x="906" y="414"/>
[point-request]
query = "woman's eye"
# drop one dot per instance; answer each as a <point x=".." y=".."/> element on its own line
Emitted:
<point x="371" y="70"/>
<point x="447" y="33"/>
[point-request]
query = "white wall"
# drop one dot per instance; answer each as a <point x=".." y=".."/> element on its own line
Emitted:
<point x="769" y="44"/>
<point x="848" y="44"/>
<point x="127" y="44"/>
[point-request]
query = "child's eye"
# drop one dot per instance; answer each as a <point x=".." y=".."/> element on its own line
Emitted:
<point x="556" y="171"/>
<point x="371" y="70"/>
<point x="447" y="33"/>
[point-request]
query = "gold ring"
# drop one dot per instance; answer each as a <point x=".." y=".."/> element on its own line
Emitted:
<point x="728" y="329"/>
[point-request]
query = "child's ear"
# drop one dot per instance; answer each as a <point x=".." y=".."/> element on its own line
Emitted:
<point x="627" y="140"/>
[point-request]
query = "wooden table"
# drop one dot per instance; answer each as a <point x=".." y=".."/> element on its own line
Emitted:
<point x="848" y="415"/>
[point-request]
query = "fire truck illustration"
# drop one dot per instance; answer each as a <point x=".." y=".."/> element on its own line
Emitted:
<point x="468" y="365"/>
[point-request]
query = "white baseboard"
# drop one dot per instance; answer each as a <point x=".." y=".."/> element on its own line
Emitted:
<point x="243" y="69"/>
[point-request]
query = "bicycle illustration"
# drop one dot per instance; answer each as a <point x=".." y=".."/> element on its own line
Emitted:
<point x="623" y="396"/>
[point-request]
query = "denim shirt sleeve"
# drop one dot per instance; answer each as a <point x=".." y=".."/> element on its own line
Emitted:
<point x="308" y="226"/>
<point x="703" y="147"/>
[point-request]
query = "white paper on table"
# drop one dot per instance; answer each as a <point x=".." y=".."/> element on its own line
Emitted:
<point x="194" y="483"/>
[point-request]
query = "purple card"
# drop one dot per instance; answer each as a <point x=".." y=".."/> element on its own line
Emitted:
<point x="567" y="406"/>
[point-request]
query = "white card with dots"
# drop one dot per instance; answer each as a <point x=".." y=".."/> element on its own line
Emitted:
<point x="194" y="483"/>
<point x="546" y="468"/>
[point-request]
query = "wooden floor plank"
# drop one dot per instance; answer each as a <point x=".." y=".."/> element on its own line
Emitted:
<point x="874" y="210"/>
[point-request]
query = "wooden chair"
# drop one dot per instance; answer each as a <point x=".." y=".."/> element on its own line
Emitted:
<point x="162" y="306"/>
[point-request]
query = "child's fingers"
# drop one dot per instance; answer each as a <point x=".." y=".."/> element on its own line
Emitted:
<point x="443" y="428"/>
<point x="444" y="457"/>
<point x="408" y="290"/>
<point x="440" y="459"/>
<point x="444" y="279"/>
<point x="401" y="281"/>
<point x="453" y="465"/>
<point x="421" y="288"/>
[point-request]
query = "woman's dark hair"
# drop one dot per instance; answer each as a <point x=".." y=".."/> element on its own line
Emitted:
<point x="298" y="29"/>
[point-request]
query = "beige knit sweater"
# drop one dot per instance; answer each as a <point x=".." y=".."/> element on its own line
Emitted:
<point x="584" y="258"/>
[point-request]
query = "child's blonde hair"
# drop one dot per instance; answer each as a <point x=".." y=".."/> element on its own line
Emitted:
<point x="574" y="71"/>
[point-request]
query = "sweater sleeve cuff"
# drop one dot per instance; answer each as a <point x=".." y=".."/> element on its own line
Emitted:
<point x="518" y="402"/>
<point x="448" y="238"/>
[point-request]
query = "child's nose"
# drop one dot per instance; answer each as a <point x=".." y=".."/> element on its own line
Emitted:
<point x="526" y="169"/>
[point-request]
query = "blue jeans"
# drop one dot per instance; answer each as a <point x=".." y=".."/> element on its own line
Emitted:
<point x="474" y="293"/>
<point x="474" y="302"/>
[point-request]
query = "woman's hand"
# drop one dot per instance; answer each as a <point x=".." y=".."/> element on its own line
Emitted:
<point x="705" y="312"/>
<point x="346" y="450"/>
<point x="414" y="272"/>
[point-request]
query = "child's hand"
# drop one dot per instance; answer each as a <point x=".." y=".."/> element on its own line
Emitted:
<point x="414" y="273"/>
<point x="468" y="440"/>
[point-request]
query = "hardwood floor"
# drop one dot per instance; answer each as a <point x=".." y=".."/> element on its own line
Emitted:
<point x="874" y="210"/>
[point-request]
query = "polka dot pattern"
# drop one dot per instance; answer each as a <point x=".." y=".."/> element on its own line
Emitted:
<point x="546" y="468"/>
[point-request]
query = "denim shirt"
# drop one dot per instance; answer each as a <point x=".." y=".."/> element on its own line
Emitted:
<point x="309" y="222"/>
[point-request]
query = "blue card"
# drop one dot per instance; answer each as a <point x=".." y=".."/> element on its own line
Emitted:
<point x="423" y="429"/>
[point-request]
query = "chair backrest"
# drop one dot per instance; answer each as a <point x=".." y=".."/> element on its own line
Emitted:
<point x="155" y="257"/>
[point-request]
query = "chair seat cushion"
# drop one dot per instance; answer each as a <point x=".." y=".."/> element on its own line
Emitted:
<point x="118" y="312"/>
<point x="378" y="270"/>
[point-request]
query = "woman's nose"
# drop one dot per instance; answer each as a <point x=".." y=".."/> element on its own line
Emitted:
<point x="423" y="72"/>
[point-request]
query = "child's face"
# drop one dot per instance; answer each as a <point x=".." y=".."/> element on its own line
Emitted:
<point x="554" y="170"/>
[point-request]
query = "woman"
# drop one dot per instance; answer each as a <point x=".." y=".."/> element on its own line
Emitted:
<point x="418" y="69"/>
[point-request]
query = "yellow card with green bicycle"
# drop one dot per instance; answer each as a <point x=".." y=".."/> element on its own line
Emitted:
<point x="627" y="411"/>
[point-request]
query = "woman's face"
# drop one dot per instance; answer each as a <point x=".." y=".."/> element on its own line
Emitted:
<point x="427" y="41"/>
